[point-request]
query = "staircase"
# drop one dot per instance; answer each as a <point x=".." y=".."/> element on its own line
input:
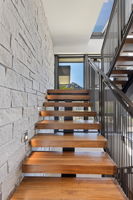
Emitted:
<point x="122" y="73"/>
<point x="73" y="136"/>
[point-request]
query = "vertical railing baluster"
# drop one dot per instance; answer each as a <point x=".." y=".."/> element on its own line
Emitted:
<point x="117" y="122"/>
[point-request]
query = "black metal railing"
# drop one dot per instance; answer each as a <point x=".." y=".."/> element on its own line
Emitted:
<point x="116" y="115"/>
<point x="120" y="21"/>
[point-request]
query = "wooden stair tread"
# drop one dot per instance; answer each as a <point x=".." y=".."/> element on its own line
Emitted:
<point x="67" y="104"/>
<point x="122" y="71"/>
<point x="129" y="41"/>
<point x="125" y="58"/>
<point x="68" y="189"/>
<point x="121" y="82"/>
<point x="68" y="97"/>
<point x="68" y="140"/>
<point x="69" y="91"/>
<point x="67" y="113"/>
<point x="127" y="51"/>
<point x="124" y="65"/>
<point x="69" y="163"/>
<point x="68" y="125"/>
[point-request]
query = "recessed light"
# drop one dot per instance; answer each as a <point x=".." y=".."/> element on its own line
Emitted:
<point x="26" y="136"/>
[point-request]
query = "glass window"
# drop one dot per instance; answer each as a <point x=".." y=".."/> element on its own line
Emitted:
<point x="70" y="75"/>
<point x="104" y="16"/>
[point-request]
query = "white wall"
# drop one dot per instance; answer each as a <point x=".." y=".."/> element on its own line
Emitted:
<point x="26" y="71"/>
<point x="94" y="46"/>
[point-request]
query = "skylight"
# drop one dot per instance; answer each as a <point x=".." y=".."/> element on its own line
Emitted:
<point x="103" y="16"/>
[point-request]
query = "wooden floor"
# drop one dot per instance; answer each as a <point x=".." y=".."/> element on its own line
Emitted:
<point x="69" y="163"/>
<point x="68" y="189"/>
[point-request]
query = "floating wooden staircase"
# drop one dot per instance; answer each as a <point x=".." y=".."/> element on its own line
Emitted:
<point x="122" y="73"/>
<point x="73" y="136"/>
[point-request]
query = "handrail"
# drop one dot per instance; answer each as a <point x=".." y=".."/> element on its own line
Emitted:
<point x="123" y="28"/>
<point x="127" y="28"/>
<point x="121" y="97"/>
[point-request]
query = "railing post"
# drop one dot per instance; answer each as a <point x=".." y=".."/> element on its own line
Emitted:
<point x="102" y="99"/>
<point x="56" y="82"/>
<point x="123" y="21"/>
<point x="102" y="104"/>
<point x="86" y="73"/>
<point x="119" y="21"/>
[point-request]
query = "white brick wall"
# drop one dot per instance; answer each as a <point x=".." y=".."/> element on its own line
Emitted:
<point x="5" y="134"/>
<point x="26" y="72"/>
<point x="5" y="97"/>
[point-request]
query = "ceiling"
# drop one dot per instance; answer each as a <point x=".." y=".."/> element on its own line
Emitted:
<point x="71" y="23"/>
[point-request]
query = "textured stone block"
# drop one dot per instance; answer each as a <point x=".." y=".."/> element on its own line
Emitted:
<point x="5" y="37"/>
<point x="5" y="57"/>
<point x="10" y="115"/>
<point x="3" y="172"/>
<point x="8" y="18"/>
<point x="29" y="111"/>
<point x="10" y="183"/>
<point x="8" y="149"/>
<point x="2" y="75"/>
<point x="20" y="127"/>
<point x="40" y="100"/>
<point x="33" y="119"/>
<point x="5" y="134"/>
<point x="5" y="98"/>
<point x="27" y="84"/>
<point x="15" y="160"/>
<point x="18" y="52"/>
<point x="19" y="99"/>
<point x="36" y="85"/>
<point x="32" y="100"/>
<point x="20" y="68"/>
<point x="14" y="80"/>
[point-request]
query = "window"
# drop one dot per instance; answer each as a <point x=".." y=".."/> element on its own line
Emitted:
<point x="103" y="18"/>
<point x="71" y="73"/>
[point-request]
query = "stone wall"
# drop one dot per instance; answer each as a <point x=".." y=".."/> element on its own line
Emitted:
<point x="26" y="71"/>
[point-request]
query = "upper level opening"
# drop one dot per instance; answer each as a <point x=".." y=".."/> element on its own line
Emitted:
<point x="103" y="19"/>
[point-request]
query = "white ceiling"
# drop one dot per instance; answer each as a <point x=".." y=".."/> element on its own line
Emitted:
<point x="71" y="23"/>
